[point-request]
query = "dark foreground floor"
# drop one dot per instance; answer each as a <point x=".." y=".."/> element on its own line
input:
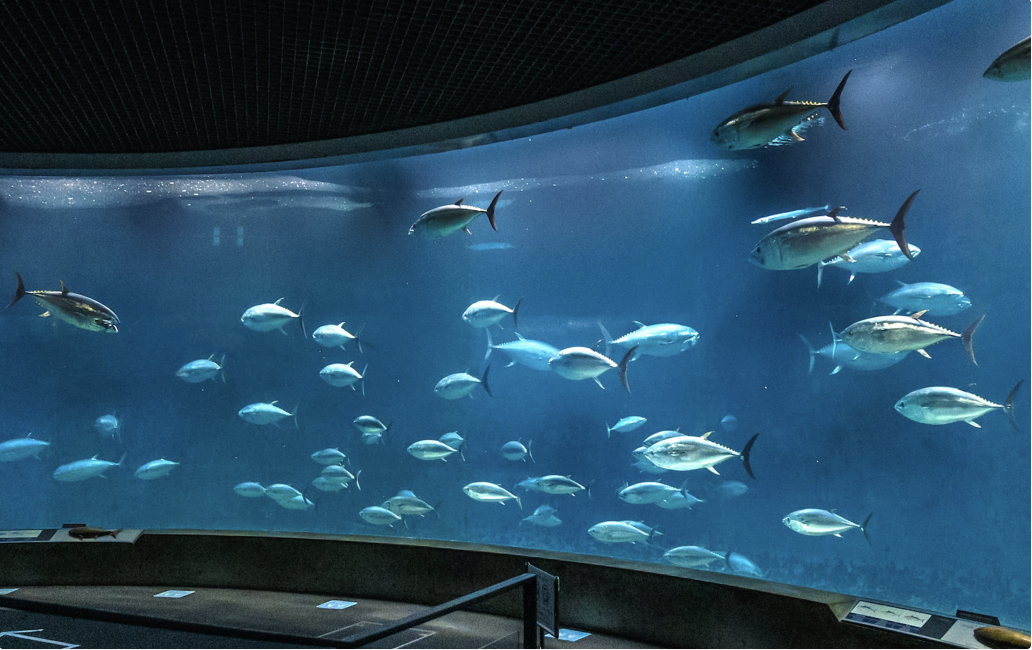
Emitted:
<point x="263" y="610"/>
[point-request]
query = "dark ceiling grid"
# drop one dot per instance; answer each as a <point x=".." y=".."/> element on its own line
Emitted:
<point x="150" y="76"/>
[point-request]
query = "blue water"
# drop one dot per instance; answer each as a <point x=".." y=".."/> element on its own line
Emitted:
<point x="636" y="218"/>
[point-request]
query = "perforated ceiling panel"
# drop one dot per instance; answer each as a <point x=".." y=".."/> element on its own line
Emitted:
<point x="141" y="76"/>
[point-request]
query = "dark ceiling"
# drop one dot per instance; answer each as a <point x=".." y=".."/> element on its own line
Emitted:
<point x="146" y="76"/>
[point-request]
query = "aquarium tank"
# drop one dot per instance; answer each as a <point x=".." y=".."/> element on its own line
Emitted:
<point x="326" y="350"/>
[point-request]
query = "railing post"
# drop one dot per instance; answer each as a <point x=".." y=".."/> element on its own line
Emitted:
<point x="531" y="631"/>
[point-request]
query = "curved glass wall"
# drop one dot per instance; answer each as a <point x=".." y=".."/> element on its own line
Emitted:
<point x="640" y="218"/>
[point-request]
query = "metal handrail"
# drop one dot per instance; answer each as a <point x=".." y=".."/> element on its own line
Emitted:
<point x="533" y="635"/>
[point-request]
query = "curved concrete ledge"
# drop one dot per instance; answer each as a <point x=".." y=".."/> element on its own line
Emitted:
<point x="665" y="606"/>
<point x="825" y="27"/>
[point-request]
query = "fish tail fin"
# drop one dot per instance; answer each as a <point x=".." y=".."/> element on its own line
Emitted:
<point x="811" y="351"/>
<point x="222" y="368"/>
<point x="121" y="461"/>
<point x="357" y="484"/>
<point x="1008" y="404"/>
<point x="623" y="367"/>
<point x="437" y="508"/>
<point x="294" y="415"/>
<point x="727" y="560"/>
<point x="386" y="432"/>
<point x="491" y="209"/>
<point x="606" y="338"/>
<point x="490" y="344"/>
<point x="530" y="452"/>
<point x="483" y="379"/>
<point x="114" y="533"/>
<point x="609" y="431"/>
<point x="820" y="273"/>
<point x="358" y="338"/>
<point x="301" y="317"/>
<point x="515" y="314"/>
<point x="897" y="226"/>
<point x="863" y="529"/>
<point x="19" y="292"/>
<point x="518" y="502"/>
<point x="363" y="378"/>
<point x="833" y="103"/>
<point x="745" y="455"/>
<point x="966" y="339"/>
<point x="461" y="455"/>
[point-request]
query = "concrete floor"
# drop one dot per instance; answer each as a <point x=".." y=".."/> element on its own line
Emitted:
<point x="290" y="613"/>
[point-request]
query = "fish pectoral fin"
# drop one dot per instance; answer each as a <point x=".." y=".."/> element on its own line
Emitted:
<point x="795" y="136"/>
<point x="974" y="424"/>
<point x="838" y="535"/>
<point x="837" y="368"/>
<point x="924" y="354"/>
<point x="44" y="314"/>
<point x="714" y="470"/>
<point x="468" y="231"/>
<point x="599" y="383"/>
<point x="510" y="364"/>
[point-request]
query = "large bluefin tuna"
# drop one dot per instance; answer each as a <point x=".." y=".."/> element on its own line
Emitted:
<point x="615" y="532"/>
<point x="447" y="219"/>
<point x="889" y="334"/>
<point x="155" y="469"/>
<point x="685" y="453"/>
<point x="1012" y="65"/>
<point x="763" y="125"/>
<point x="552" y="484"/>
<point x="945" y="405"/>
<point x="202" y="370"/>
<point x="432" y="450"/>
<point x="692" y="557"/>
<point x="485" y="313"/>
<point x="482" y="491"/>
<point x="844" y="356"/>
<point x="73" y="308"/>
<point x="333" y="336"/>
<point x="262" y="413"/>
<point x="663" y="340"/>
<point x="806" y="242"/>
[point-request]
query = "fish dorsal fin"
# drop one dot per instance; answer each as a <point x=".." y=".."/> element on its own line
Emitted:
<point x="901" y="283"/>
<point x="520" y="336"/>
<point x="30" y="435"/>
<point x="495" y="299"/>
<point x="278" y="301"/>
<point x="64" y="289"/>
<point x="341" y="324"/>
<point x="834" y="213"/>
<point x="781" y="98"/>
<point x="919" y="314"/>
<point x="94" y="456"/>
<point x="348" y="364"/>
<point x="212" y="356"/>
<point x="459" y="202"/>
<point x="640" y="324"/>
<point x="706" y="435"/>
<point x="273" y="402"/>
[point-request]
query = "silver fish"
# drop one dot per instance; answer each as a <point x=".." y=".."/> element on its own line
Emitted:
<point x="432" y="450"/>
<point x="945" y="405"/>
<point x="202" y="370"/>
<point x="271" y="316"/>
<point x="485" y="313"/>
<point x="876" y="256"/>
<point x="447" y="219"/>
<point x="526" y="352"/>
<point x="844" y="356"/>
<point x="806" y="242"/>
<point x="794" y="214"/>
<point x="615" y="532"/>
<point x="73" y="308"/>
<point x="461" y="384"/>
<point x="407" y="504"/>
<point x="762" y="125"/>
<point x="933" y="298"/>
<point x="1012" y="65"/>
<point x="888" y="334"/>
<point x="379" y="516"/>
<point x="155" y="469"/>
<point x="626" y="425"/>
<point x="663" y="340"/>
<point x="514" y="450"/>
<point x="482" y="491"/>
<point x="249" y="489"/>
<point x="552" y="484"/>
<point x="19" y="448"/>
<point x="685" y="453"/>
<point x="583" y="363"/>
<point x="817" y="522"/>
<point x="81" y="470"/>
<point x="692" y="557"/>
<point x="265" y="413"/>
